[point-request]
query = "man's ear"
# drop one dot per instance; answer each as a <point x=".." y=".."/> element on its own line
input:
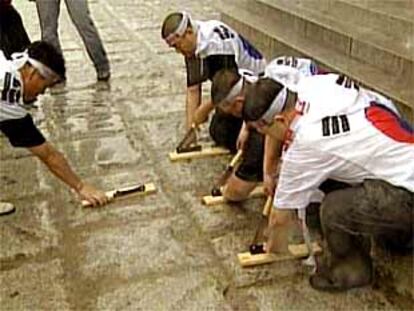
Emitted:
<point x="240" y="99"/>
<point x="237" y="105"/>
<point x="189" y="31"/>
<point x="32" y="72"/>
<point x="281" y="118"/>
<point x="278" y="128"/>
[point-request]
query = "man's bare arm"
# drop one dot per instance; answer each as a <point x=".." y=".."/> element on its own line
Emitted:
<point x="59" y="166"/>
<point x="280" y="222"/>
<point x="202" y="112"/>
<point x="272" y="152"/>
<point x="243" y="137"/>
<point x="193" y="101"/>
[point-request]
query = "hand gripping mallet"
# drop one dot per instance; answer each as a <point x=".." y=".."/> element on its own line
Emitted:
<point x="216" y="191"/>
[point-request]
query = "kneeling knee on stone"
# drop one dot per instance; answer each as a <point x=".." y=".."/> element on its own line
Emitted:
<point x="233" y="194"/>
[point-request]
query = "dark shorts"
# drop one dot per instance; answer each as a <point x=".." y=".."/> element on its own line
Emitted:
<point x="374" y="208"/>
<point x="224" y="130"/>
<point x="22" y="132"/>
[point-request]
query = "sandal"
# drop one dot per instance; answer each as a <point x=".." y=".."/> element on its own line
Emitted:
<point x="6" y="208"/>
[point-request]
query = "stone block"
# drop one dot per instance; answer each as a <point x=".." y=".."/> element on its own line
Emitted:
<point x="155" y="107"/>
<point x="294" y="293"/>
<point x="187" y="289"/>
<point x="27" y="182"/>
<point x="218" y="221"/>
<point x="30" y="231"/>
<point x="35" y="286"/>
<point x="102" y="155"/>
<point x="150" y="246"/>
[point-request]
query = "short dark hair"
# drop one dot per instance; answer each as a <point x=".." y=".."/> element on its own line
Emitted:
<point x="171" y="22"/>
<point x="222" y="83"/>
<point x="259" y="97"/>
<point x="49" y="56"/>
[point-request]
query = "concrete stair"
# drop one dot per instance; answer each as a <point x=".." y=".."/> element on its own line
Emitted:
<point x="370" y="41"/>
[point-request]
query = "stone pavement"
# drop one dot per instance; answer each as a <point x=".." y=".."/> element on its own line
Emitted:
<point x="161" y="252"/>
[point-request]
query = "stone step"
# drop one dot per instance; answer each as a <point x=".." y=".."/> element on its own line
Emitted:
<point x="356" y="12"/>
<point x="274" y="37"/>
<point x="316" y="20"/>
<point x="397" y="9"/>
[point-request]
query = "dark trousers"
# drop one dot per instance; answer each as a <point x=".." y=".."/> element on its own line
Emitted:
<point x="374" y="208"/>
<point x="224" y="130"/>
<point x="13" y="35"/>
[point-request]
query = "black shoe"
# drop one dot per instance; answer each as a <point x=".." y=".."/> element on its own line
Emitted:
<point x="104" y="76"/>
<point x="341" y="278"/>
<point x="324" y="283"/>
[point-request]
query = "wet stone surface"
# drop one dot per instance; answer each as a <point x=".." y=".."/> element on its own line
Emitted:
<point x="26" y="183"/>
<point x="294" y="293"/>
<point x="155" y="107"/>
<point x="34" y="286"/>
<point x="233" y="242"/>
<point x="187" y="289"/>
<point x="164" y="251"/>
<point x="220" y="220"/>
<point x="144" y="246"/>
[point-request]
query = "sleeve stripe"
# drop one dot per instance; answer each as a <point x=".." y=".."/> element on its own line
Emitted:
<point x="15" y="112"/>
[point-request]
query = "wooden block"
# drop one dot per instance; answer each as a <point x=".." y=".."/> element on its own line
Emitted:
<point x="204" y="153"/>
<point x="300" y="250"/>
<point x="295" y="251"/>
<point x="117" y="193"/>
<point x="210" y="200"/>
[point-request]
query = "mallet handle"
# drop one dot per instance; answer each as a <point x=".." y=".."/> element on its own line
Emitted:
<point x="268" y="206"/>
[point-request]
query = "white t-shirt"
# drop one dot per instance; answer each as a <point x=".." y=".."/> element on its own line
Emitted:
<point x="369" y="95"/>
<point x="342" y="135"/>
<point x="11" y="90"/>
<point x="216" y="38"/>
<point x="288" y="70"/>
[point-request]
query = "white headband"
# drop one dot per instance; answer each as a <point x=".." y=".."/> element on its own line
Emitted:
<point x="234" y="92"/>
<point x="179" y="31"/>
<point x="19" y="59"/>
<point x="276" y="107"/>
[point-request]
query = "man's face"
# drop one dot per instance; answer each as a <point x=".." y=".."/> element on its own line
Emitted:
<point x="260" y="125"/>
<point x="185" y="44"/>
<point x="234" y="108"/>
<point x="276" y="129"/>
<point x="35" y="85"/>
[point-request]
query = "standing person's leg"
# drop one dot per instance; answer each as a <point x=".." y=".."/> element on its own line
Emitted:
<point x="48" y="11"/>
<point x="80" y="15"/>
<point x="13" y="35"/>
<point x="349" y="216"/>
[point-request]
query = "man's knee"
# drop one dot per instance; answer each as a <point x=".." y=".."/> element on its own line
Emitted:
<point x="332" y="208"/>
<point x="237" y="190"/>
<point x="233" y="194"/>
<point x="251" y="167"/>
<point x="339" y="207"/>
<point x="335" y="210"/>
